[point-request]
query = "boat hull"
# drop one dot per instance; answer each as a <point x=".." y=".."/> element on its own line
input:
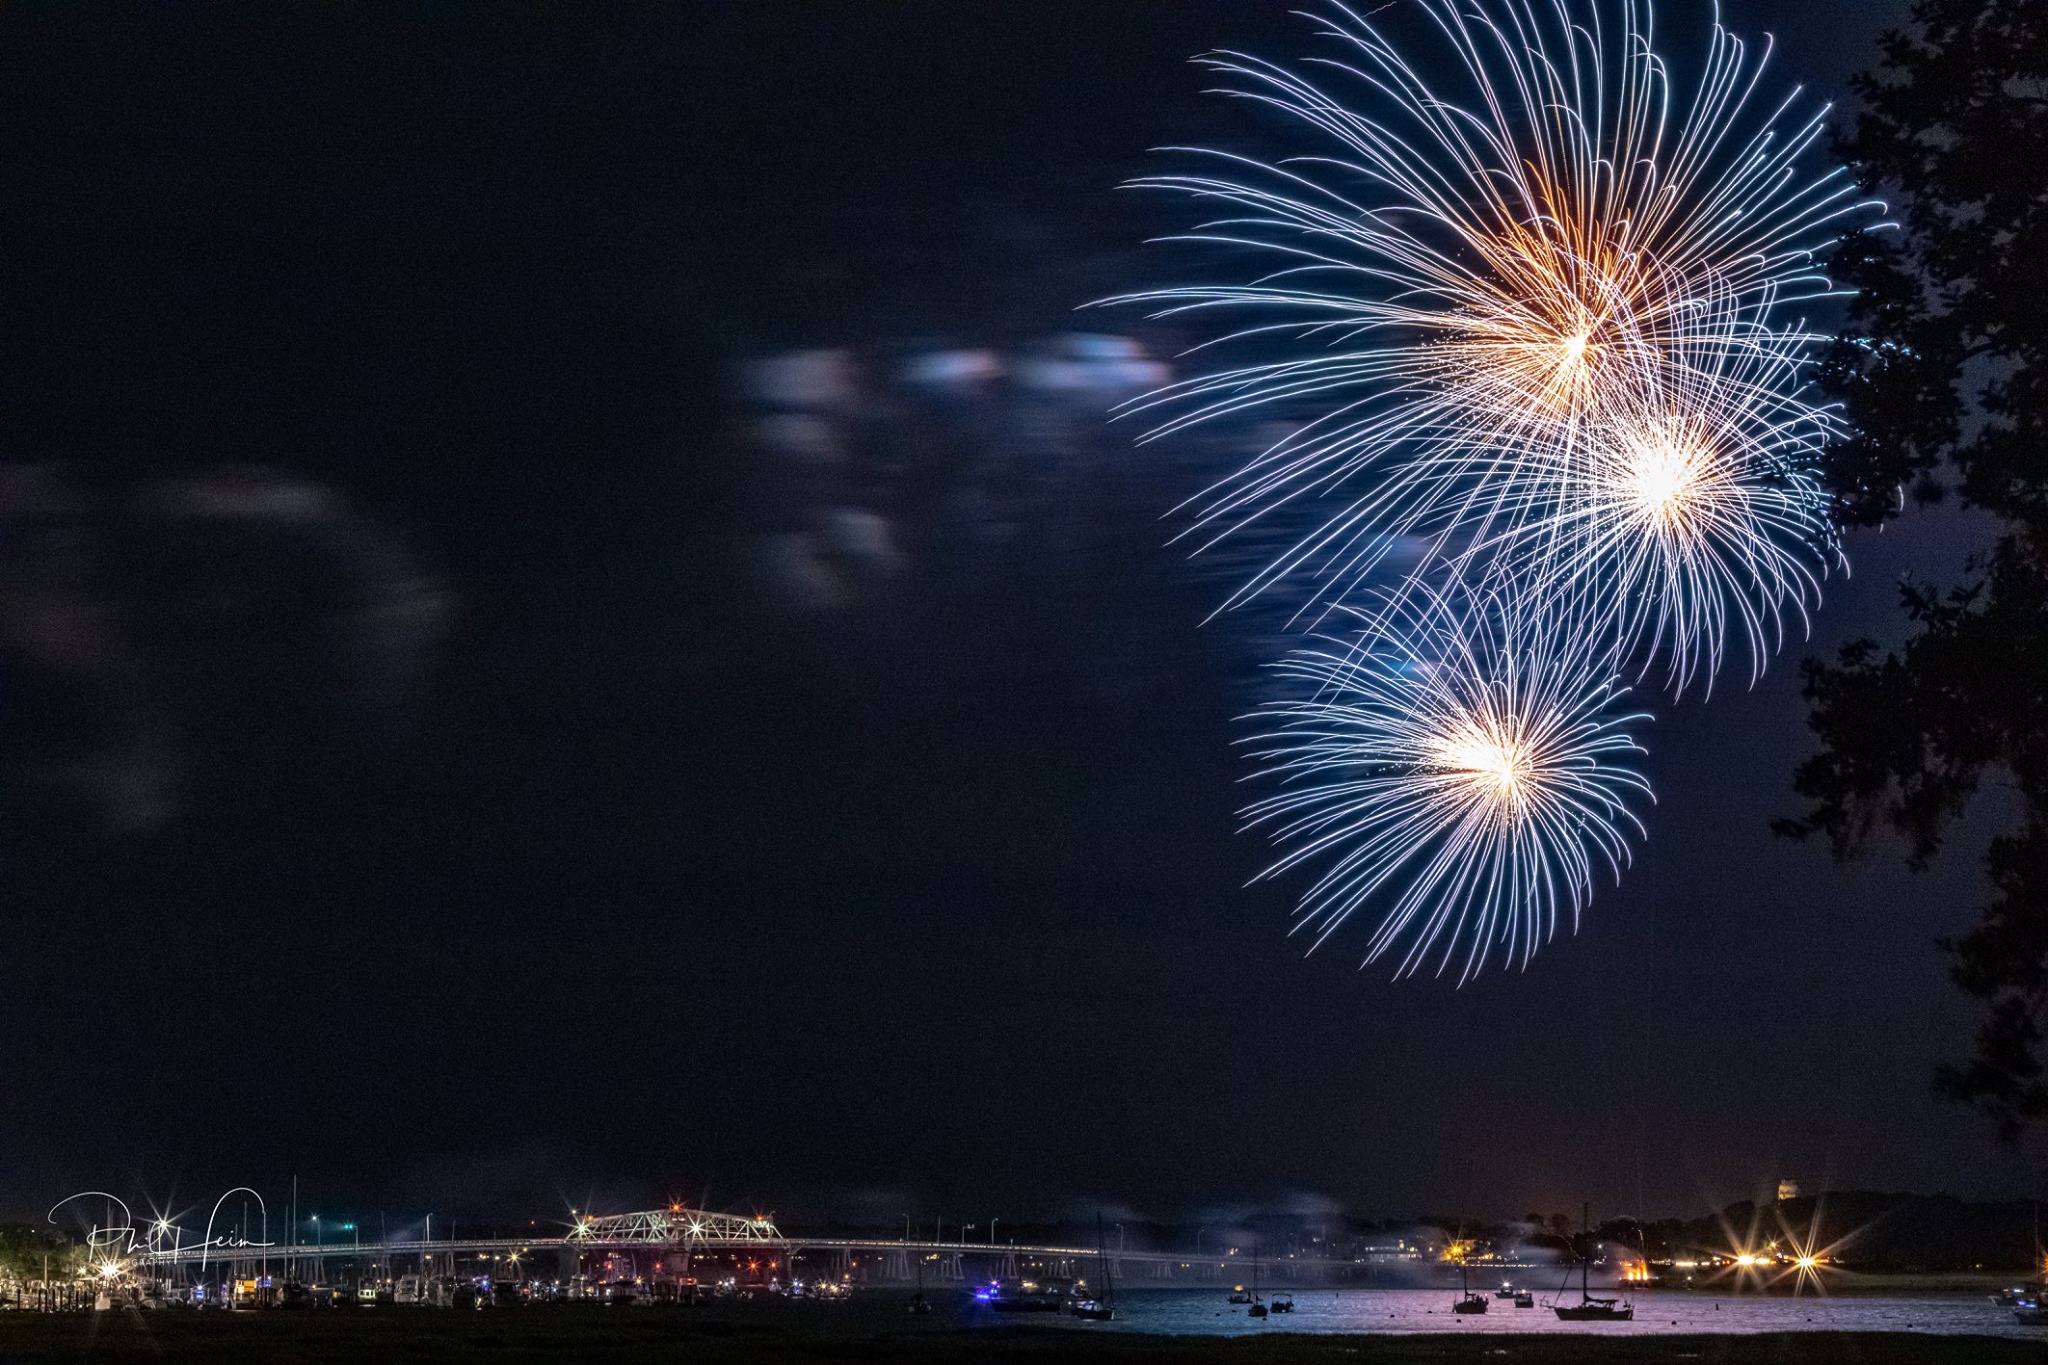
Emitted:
<point x="1593" y="1312"/>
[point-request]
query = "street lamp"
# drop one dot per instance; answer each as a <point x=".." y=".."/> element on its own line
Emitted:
<point x="992" y="1230"/>
<point x="966" y="1228"/>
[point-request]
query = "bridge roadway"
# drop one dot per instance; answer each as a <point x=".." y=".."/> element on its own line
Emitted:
<point x="501" y="1246"/>
<point x="998" y="1257"/>
<point x="163" y="1245"/>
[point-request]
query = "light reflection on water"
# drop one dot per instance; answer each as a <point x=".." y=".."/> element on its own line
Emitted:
<point x="1204" y="1311"/>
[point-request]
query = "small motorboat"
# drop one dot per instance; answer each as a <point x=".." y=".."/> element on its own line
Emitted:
<point x="1506" y="1291"/>
<point x="1524" y="1299"/>
<point x="1240" y="1295"/>
<point x="2030" y="1313"/>
<point x="1283" y="1303"/>
<point x="919" y="1304"/>
<point x="1026" y="1295"/>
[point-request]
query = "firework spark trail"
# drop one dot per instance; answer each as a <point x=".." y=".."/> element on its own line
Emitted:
<point x="1479" y="276"/>
<point x="1459" y="756"/>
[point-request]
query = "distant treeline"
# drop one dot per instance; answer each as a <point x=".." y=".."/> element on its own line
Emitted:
<point x="1856" y="1229"/>
<point x="1871" y="1231"/>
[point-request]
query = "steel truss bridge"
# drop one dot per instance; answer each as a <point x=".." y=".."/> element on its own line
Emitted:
<point x="161" y="1246"/>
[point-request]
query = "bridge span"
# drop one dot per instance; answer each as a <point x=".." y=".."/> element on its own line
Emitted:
<point x="682" y="1240"/>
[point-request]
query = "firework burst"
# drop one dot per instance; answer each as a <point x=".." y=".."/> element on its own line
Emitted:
<point x="1458" y="760"/>
<point x="1683" y="510"/>
<point x="1480" y="270"/>
<point x="1527" y="313"/>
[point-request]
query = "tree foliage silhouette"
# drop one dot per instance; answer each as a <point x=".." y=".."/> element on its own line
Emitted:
<point x="1942" y="368"/>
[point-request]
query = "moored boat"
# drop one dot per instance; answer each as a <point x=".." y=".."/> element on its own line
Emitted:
<point x="1027" y="1295"/>
<point x="1467" y="1301"/>
<point x="1093" y="1307"/>
<point x="1590" y="1307"/>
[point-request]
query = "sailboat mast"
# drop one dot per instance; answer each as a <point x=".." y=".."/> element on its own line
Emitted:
<point x="1586" y="1253"/>
<point x="1102" y="1255"/>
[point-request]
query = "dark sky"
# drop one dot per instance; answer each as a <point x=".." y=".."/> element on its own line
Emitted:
<point x="443" y="813"/>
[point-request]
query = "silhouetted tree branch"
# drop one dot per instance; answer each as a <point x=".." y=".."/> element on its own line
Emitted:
<point x="1942" y="370"/>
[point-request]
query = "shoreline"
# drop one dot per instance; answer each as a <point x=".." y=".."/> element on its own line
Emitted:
<point x="628" y="1336"/>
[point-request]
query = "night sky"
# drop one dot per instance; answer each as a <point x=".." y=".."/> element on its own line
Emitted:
<point x="409" y="786"/>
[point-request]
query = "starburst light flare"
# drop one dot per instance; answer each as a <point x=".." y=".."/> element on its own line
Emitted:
<point x="1482" y="263"/>
<point x="1457" y="765"/>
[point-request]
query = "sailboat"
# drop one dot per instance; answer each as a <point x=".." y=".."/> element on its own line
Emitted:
<point x="1589" y="1308"/>
<point x="2030" y="1302"/>
<point x="1468" y="1302"/>
<point x="1258" y="1307"/>
<point x="1099" y="1307"/>
<point x="920" y="1306"/>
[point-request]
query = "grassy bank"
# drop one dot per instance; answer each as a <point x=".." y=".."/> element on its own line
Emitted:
<point x="523" y="1337"/>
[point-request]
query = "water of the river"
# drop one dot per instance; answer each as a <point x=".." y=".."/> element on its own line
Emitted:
<point x="1203" y="1311"/>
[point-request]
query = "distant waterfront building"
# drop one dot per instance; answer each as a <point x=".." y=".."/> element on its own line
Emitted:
<point x="1787" y="1189"/>
<point x="1382" y="1254"/>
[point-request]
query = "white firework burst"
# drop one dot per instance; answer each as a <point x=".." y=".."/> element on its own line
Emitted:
<point x="1684" y="508"/>
<point x="1455" y="767"/>
<point x="1474" y="274"/>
